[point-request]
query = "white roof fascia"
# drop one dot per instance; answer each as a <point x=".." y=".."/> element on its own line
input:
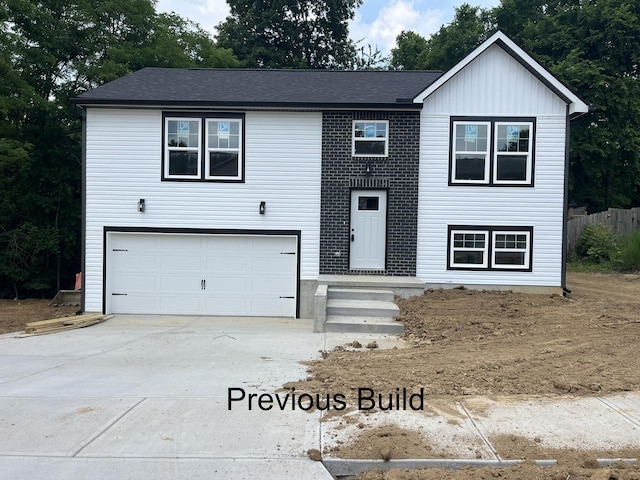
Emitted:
<point x="576" y="106"/>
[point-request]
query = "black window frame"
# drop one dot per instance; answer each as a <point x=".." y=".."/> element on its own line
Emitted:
<point x="491" y="180"/>
<point x="490" y="251"/>
<point x="203" y="151"/>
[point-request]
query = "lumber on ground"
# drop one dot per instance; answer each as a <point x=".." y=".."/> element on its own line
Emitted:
<point x="64" y="323"/>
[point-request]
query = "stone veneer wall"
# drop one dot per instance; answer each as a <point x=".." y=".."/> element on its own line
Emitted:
<point x="398" y="174"/>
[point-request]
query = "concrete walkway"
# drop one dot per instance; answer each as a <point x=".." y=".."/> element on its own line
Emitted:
<point x="149" y="397"/>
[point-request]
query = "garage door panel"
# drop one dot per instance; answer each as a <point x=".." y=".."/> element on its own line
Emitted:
<point x="228" y="285"/>
<point x="226" y="263"/>
<point x="178" y="282"/>
<point x="139" y="303"/>
<point x="125" y="261"/>
<point x="275" y="285"/>
<point x="132" y="281"/>
<point x="224" y="304"/>
<point x="180" y="305"/>
<point x="163" y="274"/>
<point x="186" y="262"/>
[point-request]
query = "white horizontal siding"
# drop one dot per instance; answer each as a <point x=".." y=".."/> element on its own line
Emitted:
<point x="124" y="162"/>
<point x="441" y="205"/>
<point x="495" y="84"/>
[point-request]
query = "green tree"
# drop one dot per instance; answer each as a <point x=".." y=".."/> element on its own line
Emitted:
<point x="51" y="50"/>
<point x="594" y="48"/>
<point x="469" y="27"/>
<point x="290" y="34"/>
<point x="409" y="50"/>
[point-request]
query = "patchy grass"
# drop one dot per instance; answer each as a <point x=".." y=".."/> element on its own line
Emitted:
<point x="585" y="266"/>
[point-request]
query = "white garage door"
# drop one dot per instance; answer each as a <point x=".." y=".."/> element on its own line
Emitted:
<point x="183" y="274"/>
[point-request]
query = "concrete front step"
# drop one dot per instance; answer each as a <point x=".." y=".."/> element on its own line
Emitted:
<point x="335" y="293"/>
<point x="404" y="287"/>
<point x="362" y="308"/>
<point x="339" y="323"/>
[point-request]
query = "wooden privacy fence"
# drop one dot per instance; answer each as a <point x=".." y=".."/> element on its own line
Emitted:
<point x="620" y="220"/>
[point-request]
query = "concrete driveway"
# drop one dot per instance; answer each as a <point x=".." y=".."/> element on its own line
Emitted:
<point x="147" y="397"/>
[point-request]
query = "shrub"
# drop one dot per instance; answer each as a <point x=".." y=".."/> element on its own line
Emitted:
<point x="628" y="257"/>
<point x="598" y="243"/>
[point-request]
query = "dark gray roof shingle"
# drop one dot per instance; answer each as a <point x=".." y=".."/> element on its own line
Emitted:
<point x="240" y="87"/>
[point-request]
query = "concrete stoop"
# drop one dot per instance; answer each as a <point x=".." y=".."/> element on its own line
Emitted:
<point x="361" y="310"/>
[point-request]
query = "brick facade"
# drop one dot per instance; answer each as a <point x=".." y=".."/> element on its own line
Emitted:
<point x="397" y="173"/>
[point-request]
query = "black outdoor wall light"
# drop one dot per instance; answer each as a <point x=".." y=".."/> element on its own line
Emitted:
<point x="263" y="208"/>
<point x="141" y="205"/>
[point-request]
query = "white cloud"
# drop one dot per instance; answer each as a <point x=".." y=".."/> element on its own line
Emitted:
<point x="207" y="13"/>
<point x="392" y="19"/>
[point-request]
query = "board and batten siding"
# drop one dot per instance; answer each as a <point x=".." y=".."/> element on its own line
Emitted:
<point x="493" y="85"/>
<point x="124" y="162"/>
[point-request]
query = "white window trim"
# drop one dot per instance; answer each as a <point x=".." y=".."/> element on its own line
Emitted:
<point x="208" y="149"/>
<point x="168" y="149"/>
<point x="527" y="180"/>
<point x="526" y="251"/>
<point x="385" y="139"/>
<point x="453" y="249"/>
<point x="455" y="152"/>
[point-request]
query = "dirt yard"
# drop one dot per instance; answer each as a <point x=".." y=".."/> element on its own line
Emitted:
<point x="14" y="314"/>
<point x="464" y="342"/>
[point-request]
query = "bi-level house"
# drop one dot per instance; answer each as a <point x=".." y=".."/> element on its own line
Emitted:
<point x="235" y="192"/>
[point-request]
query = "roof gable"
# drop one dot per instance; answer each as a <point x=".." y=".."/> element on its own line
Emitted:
<point x="576" y="106"/>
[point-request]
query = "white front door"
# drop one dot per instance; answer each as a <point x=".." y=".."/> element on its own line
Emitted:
<point x="368" y="230"/>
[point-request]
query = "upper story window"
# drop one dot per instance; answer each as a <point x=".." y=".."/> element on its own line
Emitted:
<point x="203" y="147"/>
<point x="182" y="155"/>
<point x="470" y="162"/>
<point x="371" y="138"/>
<point x="513" y="156"/>
<point x="492" y="152"/>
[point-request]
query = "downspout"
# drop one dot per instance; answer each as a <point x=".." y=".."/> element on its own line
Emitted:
<point x="565" y="212"/>
<point x="83" y="260"/>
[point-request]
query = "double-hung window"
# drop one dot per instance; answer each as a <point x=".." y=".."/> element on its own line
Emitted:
<point x="224" y="149"/>
<point x="469" y="249"/>
<point x="513" y="158"/>
<point x="182" y="148"/>
<point x="203" y="147"/>
<point x="470" y="162"/>
<point x="490" y="248"/>
<point x="492" y="151"/>
<point x="511" y="250"/>
<point x="370" y="138"/>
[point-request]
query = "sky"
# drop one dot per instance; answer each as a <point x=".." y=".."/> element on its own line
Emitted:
<point x="376" y="23"/>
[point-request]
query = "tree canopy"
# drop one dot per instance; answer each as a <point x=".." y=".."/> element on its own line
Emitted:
<point x="51" y="50"/>
<point x="447" y="46"/>
<point x="290" y="34"/>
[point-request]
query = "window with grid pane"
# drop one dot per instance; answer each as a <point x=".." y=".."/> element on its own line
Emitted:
<point x="511" y="249"/>
<point x="468" y="249"/>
